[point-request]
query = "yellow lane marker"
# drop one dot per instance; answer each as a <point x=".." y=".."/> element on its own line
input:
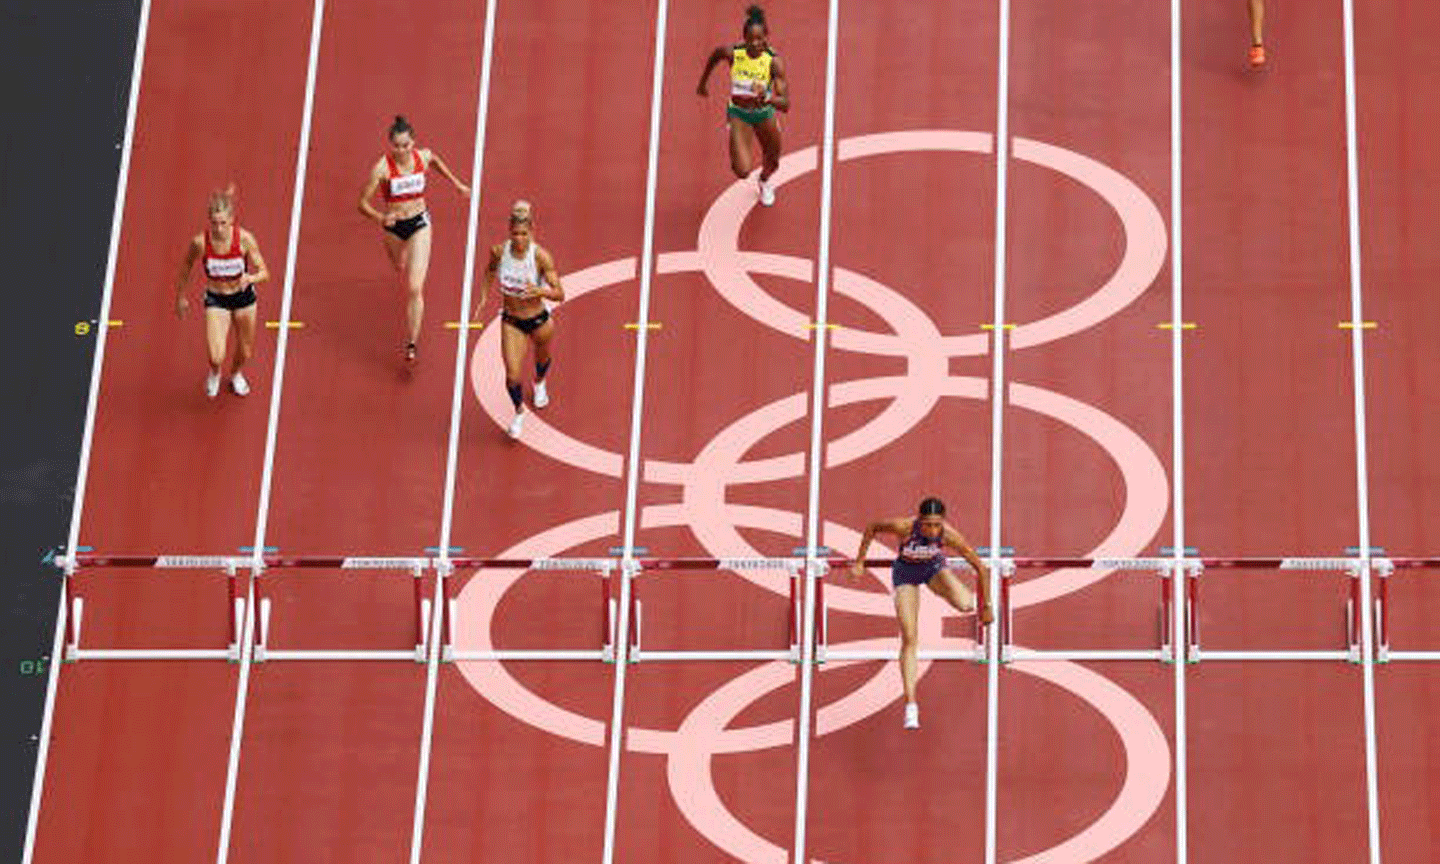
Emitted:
<point x="468" y="325"/>
<point x="1183" y="325"/>
<point x="275" y="325"/>
<point x="1362" y="325"/>
<point x="649" y="325"/>
<point x="992" y="326"/>
<point x="826" y="326"/>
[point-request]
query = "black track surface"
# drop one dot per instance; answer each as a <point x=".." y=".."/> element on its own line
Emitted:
<point x="67" y="76"/>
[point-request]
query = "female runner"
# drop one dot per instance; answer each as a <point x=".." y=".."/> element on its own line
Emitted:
<point x="231" y="261"/>
<point x="405" y="220"/>
<point x="757" y="88"/>
<point x="921" y="561"/>
<point x="527" y="278"/>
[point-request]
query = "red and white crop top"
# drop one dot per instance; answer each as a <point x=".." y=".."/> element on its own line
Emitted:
<point x="404" y="187"/>
<point x="224" y="266"/>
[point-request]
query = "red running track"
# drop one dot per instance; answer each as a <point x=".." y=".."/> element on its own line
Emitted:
<point x="330" y="751"/>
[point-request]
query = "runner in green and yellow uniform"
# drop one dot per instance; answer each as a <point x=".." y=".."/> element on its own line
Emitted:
<point x="757" y="89"/>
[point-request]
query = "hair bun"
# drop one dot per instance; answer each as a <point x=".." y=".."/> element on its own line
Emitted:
<point x="755" y="13"/>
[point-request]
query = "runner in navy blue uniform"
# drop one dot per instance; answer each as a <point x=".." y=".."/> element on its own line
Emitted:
<point x="921" y="561"/>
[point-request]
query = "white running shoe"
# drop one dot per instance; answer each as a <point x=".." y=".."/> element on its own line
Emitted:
<point x="517" y="425"/>
<point x="212" y="384"/>
<point x="239" y="384"/>
<point x="912" y="715"/>
<point x="767" y="193"/>
<point x="542" y="396"/>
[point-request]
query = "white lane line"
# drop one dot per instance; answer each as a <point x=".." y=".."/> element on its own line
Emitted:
<point x="997" y="410"/>
<point x="817" y="437"/>
<point x="633" y="466"/>
<point x="257" y="565"/>
<point x="1177" y="442"/>
<point x="82" y="474"/>
<point x="1362" y="474"/>
<point x="432" y="671"/>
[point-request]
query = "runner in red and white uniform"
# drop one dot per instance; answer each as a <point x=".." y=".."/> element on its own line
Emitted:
<point x="400" y="177"/>
<point x="232" y="264"/>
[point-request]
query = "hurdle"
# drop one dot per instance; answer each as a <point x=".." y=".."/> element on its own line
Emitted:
<point x="1163" y="568"/>
<point x="604" y="568"/>
<point x="421" y="611"/>
<point x="824" y="653"/>
<point x="1385" y="569"/>
<point x="1351" y="567"/>
<point x="792" y="567"/>
<point x="226" y="566"/>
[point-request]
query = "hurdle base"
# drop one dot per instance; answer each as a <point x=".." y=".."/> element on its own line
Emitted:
<point x="504" y="654"/>
<point x="758" y="655"/>
<point x="1196" y="655"/>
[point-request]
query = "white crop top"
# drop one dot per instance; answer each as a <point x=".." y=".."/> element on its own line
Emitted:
<point x="515" y="275"/>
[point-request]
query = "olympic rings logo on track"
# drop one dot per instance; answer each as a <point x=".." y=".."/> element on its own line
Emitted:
<point x="705" y="732"/>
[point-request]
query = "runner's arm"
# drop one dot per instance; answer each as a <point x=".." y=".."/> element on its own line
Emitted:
<point x="716" y="58"/>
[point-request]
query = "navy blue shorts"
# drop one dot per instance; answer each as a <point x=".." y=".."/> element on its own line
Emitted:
<point x="914" y="573"/>
<point x="241" y="299"/>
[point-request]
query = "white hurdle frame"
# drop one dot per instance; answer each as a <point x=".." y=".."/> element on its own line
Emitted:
<point x="824" y="653"/>
<point x="604" y="567"/>
<point x="416" y="567"/>
<point x="1163" y="567"/>
<point x="792" y="567"/>
<point x="1352" y="567"/>
<point x="229" y="566"/>
<point x="1384" y="569"/>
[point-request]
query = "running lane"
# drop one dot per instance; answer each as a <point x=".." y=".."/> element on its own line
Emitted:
<point x="1087" y="427"/>
<point x="724" y="466"/>
<point x="1396" y="60"/>
<point x="1270" y="435"/>
<point x="512" y="777"/>
<point x="171" y="471"/>
<point x="329" y="754"/>
<point x="906" y="416"/>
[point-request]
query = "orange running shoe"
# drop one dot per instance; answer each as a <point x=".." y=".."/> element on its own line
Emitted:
<point x="1257" y="56"/>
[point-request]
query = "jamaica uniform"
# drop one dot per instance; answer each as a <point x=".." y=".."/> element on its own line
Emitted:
<point x="745" y="72"/>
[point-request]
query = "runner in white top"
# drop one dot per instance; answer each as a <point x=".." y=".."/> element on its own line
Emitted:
<point x="527" y="278"/>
